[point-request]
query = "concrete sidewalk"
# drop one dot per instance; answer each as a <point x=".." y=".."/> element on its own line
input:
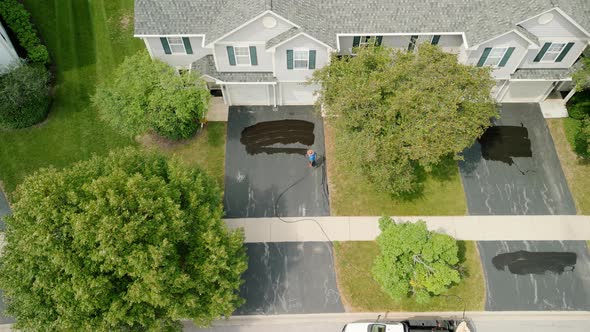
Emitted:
<point x="474" y="228"/>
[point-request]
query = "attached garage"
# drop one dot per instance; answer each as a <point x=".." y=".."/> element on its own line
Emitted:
<point x="527" y="91"/>
<point x="297" y="93"/>
<point x="249" y="94"/>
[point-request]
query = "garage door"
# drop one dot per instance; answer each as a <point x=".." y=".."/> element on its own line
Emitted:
<point x="248" y="94"/>
<point x="297" y="93"/>
<point x="530" y="92"/>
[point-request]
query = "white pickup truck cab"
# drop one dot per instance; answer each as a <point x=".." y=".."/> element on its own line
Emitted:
<point x="371" y="326"/>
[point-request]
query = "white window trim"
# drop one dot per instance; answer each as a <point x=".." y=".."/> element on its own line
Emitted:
<point x="373" y="38"/>
<point x="553" y="52"/>
<point x="500" y="57"/>
<point x="181" y="43"/>
<point x="306" y="50"/>
<point x="249" y="64"/>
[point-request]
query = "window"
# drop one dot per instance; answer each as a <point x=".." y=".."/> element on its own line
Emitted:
<point x="495" y="56"/>
<point x="377" y="328"/>
<point x="300" y="59"/>
<point x="366" y="41"/>
<point x="412" y="45"/>
<point x="553" y="52"/>
<point x="242" y="55"/>
<point x="176" y="45"/>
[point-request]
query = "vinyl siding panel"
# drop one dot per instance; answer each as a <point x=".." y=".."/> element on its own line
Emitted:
<point x="508" y="40"/>
<point x="567" y="62"/>
<point x="177" y="60"/>
<point x="284" y="74"/>
<point x="559" y="27"/>
<point x="263" y="58"/>
<point x="256" y="31"/>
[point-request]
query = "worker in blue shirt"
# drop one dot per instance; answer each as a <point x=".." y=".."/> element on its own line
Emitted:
<point x="311" y="157"/>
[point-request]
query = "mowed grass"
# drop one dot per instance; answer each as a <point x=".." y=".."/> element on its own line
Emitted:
<point x="206" y="150"/>
<point x="86" y="41"/>
<point x="352" y="195"/>
<point x="576" y="170"/>
<point x="361" y="293"/>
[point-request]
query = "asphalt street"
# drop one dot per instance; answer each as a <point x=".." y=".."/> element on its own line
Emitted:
<point x="266" y="170"/>
<point x="514" y="169"/>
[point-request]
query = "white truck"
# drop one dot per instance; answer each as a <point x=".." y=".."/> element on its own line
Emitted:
<point x="421" y="324"/>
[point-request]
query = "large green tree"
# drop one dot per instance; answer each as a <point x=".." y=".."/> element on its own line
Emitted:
<point x="414" y="261"/>
<point x="581" y="76"/>
<point x="127" y="242"/>
<point x="398" y="112"/>
<point x="145" y="94"/>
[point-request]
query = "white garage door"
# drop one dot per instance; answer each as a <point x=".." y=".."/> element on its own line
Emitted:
<point x="531" y="92"/>
<point x="248" y="94"/>
<point x="297" y="93"/>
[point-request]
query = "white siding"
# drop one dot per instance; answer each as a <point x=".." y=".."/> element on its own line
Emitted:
<point x="264" y="58"/>
<point x="7" y="52"/>
<point x="449" y="43"/>
<point x="177" y="60"/>
<point x="509" y="40"/>
<point x="527" y="91"/>
<point x="558" y="27"/>
<point x="284" y="74"/>
<point x="256" y="31"/>
<point x="567" y="62"/>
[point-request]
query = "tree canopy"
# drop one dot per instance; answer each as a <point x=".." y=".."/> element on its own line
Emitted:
<point x="414" y="261"/>
<point x="130" y="241"/>
<point x="581" y="76"/>
<point x="145" y="94"/>
<point x="397" y="112"/>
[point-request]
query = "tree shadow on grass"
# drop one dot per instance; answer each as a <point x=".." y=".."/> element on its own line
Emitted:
<point x="443" y="171"/>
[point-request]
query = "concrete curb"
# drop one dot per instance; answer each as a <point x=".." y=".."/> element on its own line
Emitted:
<point x="474" y="228"/>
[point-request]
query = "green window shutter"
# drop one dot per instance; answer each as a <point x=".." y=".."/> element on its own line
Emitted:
<point x="311" y="59"/>
<point x="542" y="52"/>
<point x="435" y="39"/>
<point x="289" y="59"/>
<point x="564" y="52"/>
<point x="187" y="45"/>
<point x="253" y="57"/>
<point x="484" y="56"/>
<point x="165" y="45"/>
<point x="356" y="41"/>
<point x="231" y="55"/>
<point x="506" y="57"/>
<point x="378" y="40"/>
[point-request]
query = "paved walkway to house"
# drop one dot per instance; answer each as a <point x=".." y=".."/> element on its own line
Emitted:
<point x="475" y="228"/>
<point x="217" y="110"/>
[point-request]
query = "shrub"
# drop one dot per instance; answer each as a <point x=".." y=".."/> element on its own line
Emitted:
<point x="18" y="20"/>
<point x="24" y="96"/>
<point x="127" y="242"/>
<point x="414" y="261"/>
<point x="582" y="139"/>
<point x="145" y="94"/>
<point x="578" y="106"/>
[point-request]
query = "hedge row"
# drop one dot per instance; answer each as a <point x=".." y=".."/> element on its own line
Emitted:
<point x="18" y="20"/>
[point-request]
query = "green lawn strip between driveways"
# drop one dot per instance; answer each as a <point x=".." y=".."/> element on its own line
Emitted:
<point x="351" y="195"/>
<point x="576" y="170"/>
<point x="206" y="149"/>
<point x="360" y="293"/>
<point x="86" y="40"/>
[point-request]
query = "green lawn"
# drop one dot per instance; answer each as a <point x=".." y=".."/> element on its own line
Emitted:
<point x="206" y="149"/>
<point x="351" y="195"/>
<point x="361" y="293"/>
<point x="86" y="40"/>
<point x="576" y="170"/>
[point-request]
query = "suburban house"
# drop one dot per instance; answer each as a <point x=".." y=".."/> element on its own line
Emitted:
<point x="261" y="52"/>
<point x="7" y="52"/>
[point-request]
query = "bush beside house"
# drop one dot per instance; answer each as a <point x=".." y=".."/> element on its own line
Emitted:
<point x="579" y="109"/>
<point x="18" y="20"/>
<point x="24" y="96"/>
<point x="146" y="94"/>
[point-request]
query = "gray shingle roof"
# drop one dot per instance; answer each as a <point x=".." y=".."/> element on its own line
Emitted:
<point x="206" y="66"/>
<point x="282" y="37"/>
<point x="481" y="20"/>
<point x="542" y="74"/>
<point x="528" y="34"/>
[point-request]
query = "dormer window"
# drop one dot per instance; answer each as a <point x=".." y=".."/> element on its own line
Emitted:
<point x="553" y="52"/>
<point x="176" y="45"/>
<point x="300" y="59"/>
<point x="495" y="56"/>
<point x="242" y="55"/>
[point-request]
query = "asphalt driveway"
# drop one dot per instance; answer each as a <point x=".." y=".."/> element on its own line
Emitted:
<point x="266" y="171"/>
<point x="536" y="275"/>
<point x="514" y="169"/>
<point x="290" y="278"/>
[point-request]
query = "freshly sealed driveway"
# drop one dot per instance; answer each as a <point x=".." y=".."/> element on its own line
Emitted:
<point x="514" y="169"/>
<point x="266" y="171"/>
<point x="290" y="278"/>
<point x="536" y="275"/>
